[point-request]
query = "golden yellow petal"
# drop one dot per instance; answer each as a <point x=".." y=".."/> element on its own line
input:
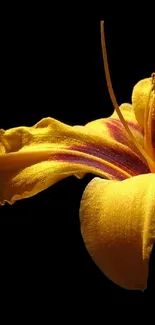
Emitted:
<point x="34" y="158"/>
<point x="140" y="97"/>
<point x="118" y="227"/>
<point x="113" y="128"/>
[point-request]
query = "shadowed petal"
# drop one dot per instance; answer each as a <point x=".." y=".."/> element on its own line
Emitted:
<point x="118" y="227"/>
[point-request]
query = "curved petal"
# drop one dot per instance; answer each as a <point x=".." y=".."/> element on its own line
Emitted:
<point x="140" y="97"/>
<point x="34" y="158"/>
<point x="113" y="128"/>
<point x="118" y="227"/>
<point x="143" y="99"/>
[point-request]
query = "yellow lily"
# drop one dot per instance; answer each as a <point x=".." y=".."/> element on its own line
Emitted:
<point x="117" y="210"/>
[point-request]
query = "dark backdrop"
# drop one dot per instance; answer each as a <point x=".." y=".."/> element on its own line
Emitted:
<point x="53" y="67"/>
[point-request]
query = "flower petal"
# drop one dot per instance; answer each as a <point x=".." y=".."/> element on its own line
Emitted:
<point x="34" y="158"/>
<point x="140" y="97"/>
<point x="118" y="227"/>
<point x="114" y="129"/>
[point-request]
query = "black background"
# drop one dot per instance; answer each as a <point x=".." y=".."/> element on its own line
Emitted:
<point x="53" y="67"/>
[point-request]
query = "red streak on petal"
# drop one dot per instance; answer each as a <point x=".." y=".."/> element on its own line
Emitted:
<point x="128" y="161"/>
<point x="73" y="159"/>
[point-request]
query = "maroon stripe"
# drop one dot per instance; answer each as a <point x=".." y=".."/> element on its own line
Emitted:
<point x="118" y="132"/>
<point x="133" y="125"/>
<point x="73" y="159"/>
<point x="121" y="158"/>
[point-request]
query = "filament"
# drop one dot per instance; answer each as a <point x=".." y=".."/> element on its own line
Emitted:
<point x="142" y="152"/>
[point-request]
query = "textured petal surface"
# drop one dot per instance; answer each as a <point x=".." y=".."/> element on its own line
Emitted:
<point x="143" y="99"/>
<point x="34" y="158"/>
<point x="118" y="227"/>
<point x="114" y="129"/>
<point x="140" y="97"/>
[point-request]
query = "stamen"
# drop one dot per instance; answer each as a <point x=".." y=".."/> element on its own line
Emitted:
<point x="142" y="152"/>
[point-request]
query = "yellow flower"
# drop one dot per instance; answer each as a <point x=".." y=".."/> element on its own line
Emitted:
<point x="117" y="210"/>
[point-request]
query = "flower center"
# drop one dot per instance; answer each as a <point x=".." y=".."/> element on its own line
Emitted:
<point x="148" y="152"/>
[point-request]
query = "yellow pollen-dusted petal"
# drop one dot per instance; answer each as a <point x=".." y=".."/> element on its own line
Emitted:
<point x="34" y="158"/>
<point x="140" y="98"/>
<point x="118" y="227"/>
<point x="143" y="99"/>
<point x="113" y="128"/>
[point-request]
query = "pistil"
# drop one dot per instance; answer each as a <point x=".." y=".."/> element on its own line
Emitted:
<point x="145" y="156"/>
